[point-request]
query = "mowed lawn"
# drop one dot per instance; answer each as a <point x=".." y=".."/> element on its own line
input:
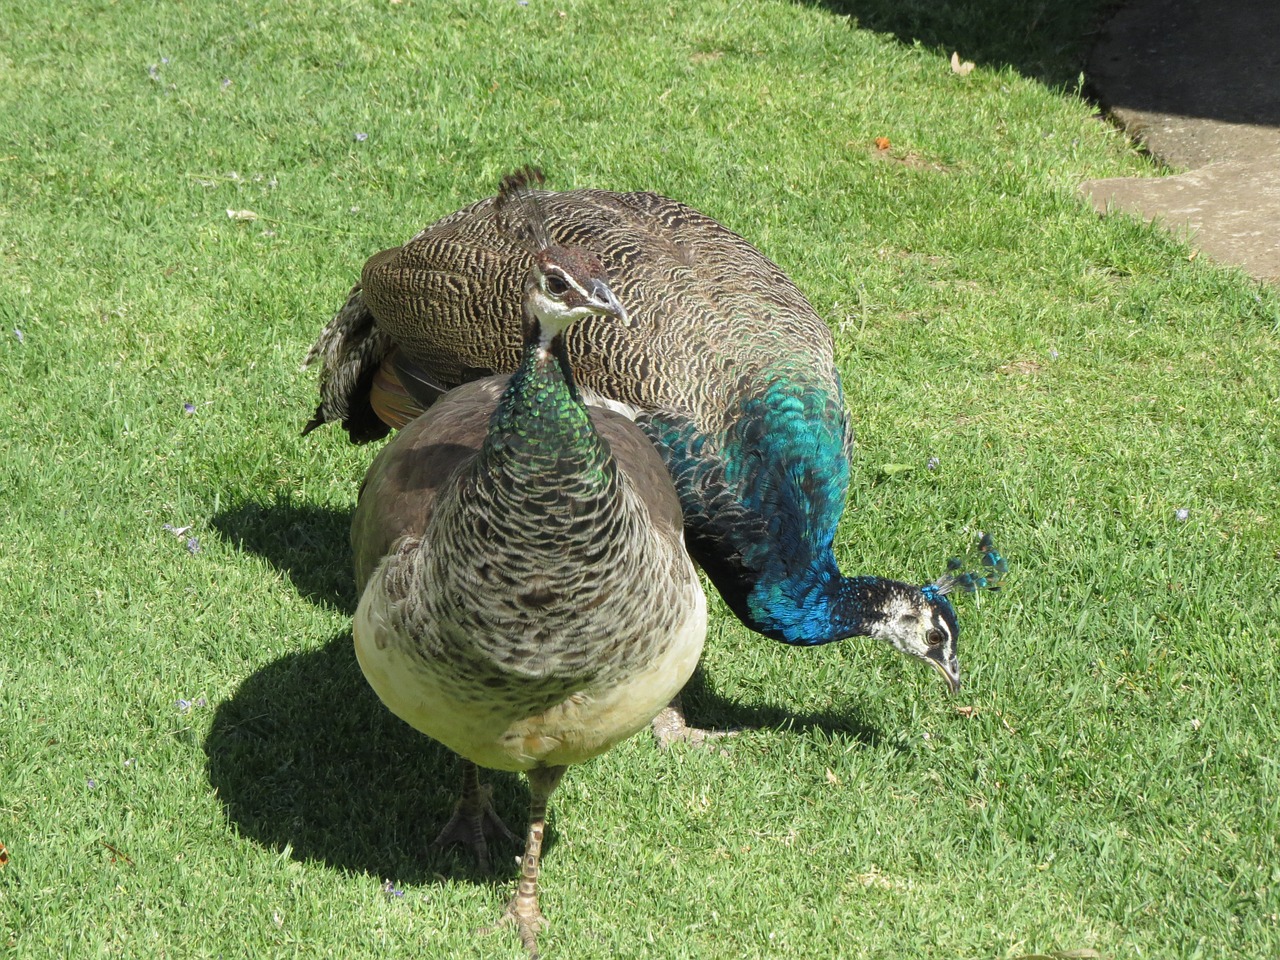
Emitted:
<point x="191" y="765"/>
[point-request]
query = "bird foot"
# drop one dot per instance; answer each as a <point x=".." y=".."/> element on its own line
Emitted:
<point x="524" y="914"/>
<point x="669" y="727"/>
<point x="473" y="823"/>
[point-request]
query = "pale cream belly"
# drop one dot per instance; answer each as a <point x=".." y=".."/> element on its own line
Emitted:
<point x="489" y="733"/>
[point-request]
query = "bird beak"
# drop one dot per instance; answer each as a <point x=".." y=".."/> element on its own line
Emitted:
<point x="607" y="304"/>
<point x="948" y="667"/>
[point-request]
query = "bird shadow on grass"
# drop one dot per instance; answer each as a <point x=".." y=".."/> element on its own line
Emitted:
<point x="306" y="760"/>
<point x="310" y="544"/>
<point x="706" y="708"/>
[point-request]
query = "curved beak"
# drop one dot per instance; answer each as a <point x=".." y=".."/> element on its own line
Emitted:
<point x="606" y="304"/>
<point x="948" y="667"/>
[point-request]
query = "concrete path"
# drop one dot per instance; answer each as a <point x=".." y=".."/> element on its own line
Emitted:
<point x="1198" y="82"/>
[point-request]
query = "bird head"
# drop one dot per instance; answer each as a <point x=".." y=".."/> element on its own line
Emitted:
<point x="920" y="622"/>
<point x="565" y="283"/>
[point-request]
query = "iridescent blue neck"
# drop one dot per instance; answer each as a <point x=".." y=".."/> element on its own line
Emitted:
<point x="817" y="606"/>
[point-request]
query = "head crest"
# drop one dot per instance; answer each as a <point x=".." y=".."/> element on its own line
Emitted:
<point x="519" y="211"/>
<point x="969" y="577"/>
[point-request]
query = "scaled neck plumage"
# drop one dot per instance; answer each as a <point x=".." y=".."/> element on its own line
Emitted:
<point x="540" y="415"/>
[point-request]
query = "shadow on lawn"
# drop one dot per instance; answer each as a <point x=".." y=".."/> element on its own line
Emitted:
<point x="309" y="543"/>
<point x="1046" y="41"/>
<point x="306" y="759"/>
<point x="704" y="707"/>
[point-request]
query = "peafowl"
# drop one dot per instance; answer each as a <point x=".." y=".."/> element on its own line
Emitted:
<point x="526" y="597"/>
<point x="721" y="360"/>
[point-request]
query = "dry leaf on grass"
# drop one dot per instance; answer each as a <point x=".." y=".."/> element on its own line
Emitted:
<point x="963" y="69"/>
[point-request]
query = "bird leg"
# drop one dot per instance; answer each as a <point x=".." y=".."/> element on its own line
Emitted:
<point x="474" y="817"/>
<point x="669" y="727"/>
<point x="522" y="909"/>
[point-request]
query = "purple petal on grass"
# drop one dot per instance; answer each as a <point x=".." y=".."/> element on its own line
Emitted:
<point x="19" y="334"/>
<point x="183" y="705"/>
<point x="1182" y="513"/>
<point x="188" y="408"/>
<point x="193" y="545"/>
<point x="391" y="890"/>
<point x="226" y="83"/>
<point x="361" y="137"/>
<point x="93" y="784"/>
<point x="933" y="463"/>
<point x="1053" y="354"/>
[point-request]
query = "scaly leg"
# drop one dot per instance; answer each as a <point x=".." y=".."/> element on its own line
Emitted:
<point x="474" y="817"/>
<point x="522" y="909"/>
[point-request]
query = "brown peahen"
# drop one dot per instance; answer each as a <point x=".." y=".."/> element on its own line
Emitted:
<point x="721" y="360"/>
<point x="526" y="597"/>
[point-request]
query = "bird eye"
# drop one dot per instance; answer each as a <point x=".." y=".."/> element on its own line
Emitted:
<point x="556" y="286"/>
<point x="934" y="637"/>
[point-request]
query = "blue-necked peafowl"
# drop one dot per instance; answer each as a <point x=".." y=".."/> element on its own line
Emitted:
<point x="526" y="598"/>
<point x="722" y="361"/>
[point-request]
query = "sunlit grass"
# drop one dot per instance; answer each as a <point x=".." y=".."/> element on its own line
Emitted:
<point x="190" y="762"/>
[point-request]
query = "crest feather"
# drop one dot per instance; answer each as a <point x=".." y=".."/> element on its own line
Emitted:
<point x="519" y="211"/>
<point x="985" y="575"/>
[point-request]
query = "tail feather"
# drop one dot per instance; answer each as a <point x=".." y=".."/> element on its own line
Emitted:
<point x="394" y="404"/>
<point x="349" y="350"/>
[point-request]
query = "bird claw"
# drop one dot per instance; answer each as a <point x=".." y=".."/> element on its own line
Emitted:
<point x="524" y="914"/>
<point x="473" y="820"/>
<point x="669" y="727"/>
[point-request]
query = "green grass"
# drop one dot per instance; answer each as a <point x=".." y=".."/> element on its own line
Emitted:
<point x="1115" y="788"/>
